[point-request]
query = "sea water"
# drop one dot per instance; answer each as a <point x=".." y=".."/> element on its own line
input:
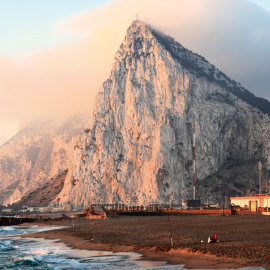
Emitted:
<point x="37" y="253"/>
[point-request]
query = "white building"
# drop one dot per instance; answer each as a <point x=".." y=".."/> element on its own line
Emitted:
<point x="253" y="202"/>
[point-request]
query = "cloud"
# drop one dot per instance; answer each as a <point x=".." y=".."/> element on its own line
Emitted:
<point x="9" y="127"/>
<point x="233" y="35"/>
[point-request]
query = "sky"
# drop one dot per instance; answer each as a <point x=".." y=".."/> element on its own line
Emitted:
<point x="54" y="55"/>
<point x="263" y="3"/>
<point x="29" y="26"/>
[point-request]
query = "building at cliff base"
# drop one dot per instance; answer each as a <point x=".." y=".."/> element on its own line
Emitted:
<point x="252" y="202"/>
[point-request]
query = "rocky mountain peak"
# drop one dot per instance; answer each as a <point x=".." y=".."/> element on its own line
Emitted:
<point x="139" y="147"/>
<point x="140" y="34"/>
<point x="136" y="45"/>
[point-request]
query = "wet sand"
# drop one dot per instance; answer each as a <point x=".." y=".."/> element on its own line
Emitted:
<point x="245" y="240"/>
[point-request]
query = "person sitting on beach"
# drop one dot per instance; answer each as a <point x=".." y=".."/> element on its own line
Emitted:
<point x="213" y="239"/>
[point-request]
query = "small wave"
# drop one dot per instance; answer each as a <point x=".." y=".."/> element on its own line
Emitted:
<point x="106" y="259"/>
<point x="7" y="229"/>
<point x="44" y="229"/>
<point x="26" y="262"/>
<point x="17" y="230"/>
<point x="62" y="262"/>
<point x="25" y="258"/>
<point x="6" y="245"/>
<point x="10" y="231"/>
<point x="47" y="250"/>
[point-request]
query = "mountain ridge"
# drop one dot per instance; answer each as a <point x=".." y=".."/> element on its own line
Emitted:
<point x="215" y="74"/>
<point x="139" y="146"/>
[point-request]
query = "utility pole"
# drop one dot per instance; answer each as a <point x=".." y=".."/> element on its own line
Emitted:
<point x="260" y="172"/>
<point x="194" y="170"/>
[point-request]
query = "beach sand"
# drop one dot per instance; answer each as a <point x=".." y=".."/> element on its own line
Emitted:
<point x="245" y="240"/>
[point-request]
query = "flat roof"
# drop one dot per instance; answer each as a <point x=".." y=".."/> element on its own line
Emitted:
<point x="252" y="197"/>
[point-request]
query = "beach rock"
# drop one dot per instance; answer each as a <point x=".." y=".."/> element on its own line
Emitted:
<point x="92" y="214"/>
<point x="139" y="149"/>
<point x="8" y="221"/>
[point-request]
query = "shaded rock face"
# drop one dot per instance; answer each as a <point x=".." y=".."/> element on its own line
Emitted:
<point x="39" y="151"/>
<point x="237" y="177"/>
<point x="139" y="147"/>
<point x="43" y="196"/>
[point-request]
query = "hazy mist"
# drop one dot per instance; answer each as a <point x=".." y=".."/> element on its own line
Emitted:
<point x="233" y="35"/>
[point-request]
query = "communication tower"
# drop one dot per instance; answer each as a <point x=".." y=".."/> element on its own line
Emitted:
<point x="194" y="164"/>
<point x="260" y="176"/>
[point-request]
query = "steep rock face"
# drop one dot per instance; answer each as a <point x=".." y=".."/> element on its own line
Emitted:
<point x="39" y="151"/>
<point x="139" y="147"/>
<point x="237" y="177"/>
<point x="44" y="195"/>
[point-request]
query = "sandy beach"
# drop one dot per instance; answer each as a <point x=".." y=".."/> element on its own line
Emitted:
<point x="245" y="240"/>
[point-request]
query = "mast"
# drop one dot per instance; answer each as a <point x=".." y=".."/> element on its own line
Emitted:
<point x="194" y="164"/>
<point x="260" y="173"/>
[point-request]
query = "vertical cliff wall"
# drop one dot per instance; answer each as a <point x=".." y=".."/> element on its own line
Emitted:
<point x="41" y="150"/>
<point x="139" y="146"/>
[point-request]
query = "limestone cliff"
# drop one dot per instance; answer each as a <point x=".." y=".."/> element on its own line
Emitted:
<point x="39" y="151"/>
<point x="139" y="146"/>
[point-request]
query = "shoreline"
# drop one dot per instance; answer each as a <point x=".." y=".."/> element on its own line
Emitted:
<point x="244" y="240"/>
<point x="172" y="257"/>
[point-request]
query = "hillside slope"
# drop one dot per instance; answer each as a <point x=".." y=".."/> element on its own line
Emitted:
<point x="43" y="196"/>
<point x="41" y="150"/>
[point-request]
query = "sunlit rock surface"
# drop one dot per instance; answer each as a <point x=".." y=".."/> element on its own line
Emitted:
<point x="139" y="146"/>
<point x="39" y="151"/>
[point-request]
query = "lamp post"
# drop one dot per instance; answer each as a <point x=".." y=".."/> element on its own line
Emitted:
<point x="225" y="201"/>
<point x="260" y="173"/>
